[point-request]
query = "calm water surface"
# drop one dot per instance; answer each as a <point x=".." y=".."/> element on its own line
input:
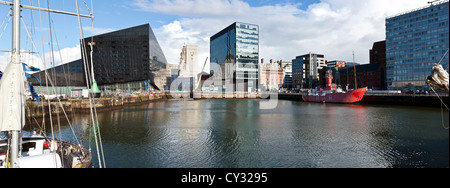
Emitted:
<point x="237" y="134"/>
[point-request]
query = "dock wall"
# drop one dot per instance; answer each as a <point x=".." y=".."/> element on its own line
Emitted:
<point x="42" y="109"/>
<point x="429" y="100"/>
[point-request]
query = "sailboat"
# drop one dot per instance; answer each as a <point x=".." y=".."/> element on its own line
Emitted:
<point x="29" y="150"/>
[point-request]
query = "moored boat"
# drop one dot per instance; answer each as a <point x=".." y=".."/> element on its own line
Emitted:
<point x="352" y="96"/>
<point x="332" y="94"/>
<point x="19" y="149"/>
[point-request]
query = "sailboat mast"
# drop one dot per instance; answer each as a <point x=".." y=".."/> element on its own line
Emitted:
<point x="354" y="71"/>
<point x="16" y="60"/>
<point x="16" y="32"/>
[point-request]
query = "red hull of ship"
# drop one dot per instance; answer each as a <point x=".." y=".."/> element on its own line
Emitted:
<point x="346" y="97"/>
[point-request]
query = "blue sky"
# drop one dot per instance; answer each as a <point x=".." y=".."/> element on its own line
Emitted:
<point x="289" y="28"/>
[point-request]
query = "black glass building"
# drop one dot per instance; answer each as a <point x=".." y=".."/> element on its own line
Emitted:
<point x="129" y="55"/>
<point x="237" y="48"/>
<point x="123" y="59"/>
<point x="69" y="74"/>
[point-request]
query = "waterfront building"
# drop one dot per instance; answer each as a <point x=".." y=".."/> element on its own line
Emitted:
<point x="369" y="75"/>
<point x="189" y="66"/>
<point x="69" y="74"/>
<point x="378" y="52"/>
<point x="189" y="69"/>
<point x="287" y="84"/>
<point x="271" y="75"/>
<point x="415" y="41"/>
<point x="336" y="64"/>
<point x="378" y="56"/>
<point x="236" y="50"/>
<point x="131" y="55"/>
<point x="127" y="59"/>
<point x="305" y="70"/>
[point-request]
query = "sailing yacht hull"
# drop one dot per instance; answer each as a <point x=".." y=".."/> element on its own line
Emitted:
<point x="349" y="97"/>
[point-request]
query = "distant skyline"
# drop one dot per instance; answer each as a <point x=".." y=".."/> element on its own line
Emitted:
<point x="289" y="28"/>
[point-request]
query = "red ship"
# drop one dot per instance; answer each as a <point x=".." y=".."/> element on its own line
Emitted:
<point x="332" y="94"/>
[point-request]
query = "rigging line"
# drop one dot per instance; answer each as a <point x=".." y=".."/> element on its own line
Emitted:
<point x="443" y="57"/>
<point x="53" y="87"/>
<point x="6" y="18"/>
<point x="442" y="109"/>
<point x="60" y="54"/>
<point x="54" y="65"/>
<point x="40" y="57"/>
<point x="52" y="55"/>
<point x="45" y="68"/>
<point x="442" y="117"/>
<point x="6" y="26"/>
<point x="92" y="61"/>
<point x="90" y="12"/>
<point x="84" y="55"/>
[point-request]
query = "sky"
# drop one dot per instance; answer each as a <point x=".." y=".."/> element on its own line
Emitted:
<point x="288" y="28"/>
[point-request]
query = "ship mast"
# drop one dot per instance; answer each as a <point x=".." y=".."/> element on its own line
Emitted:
<point x="12" y="112"/>
<point x="15" y="60"/>
<point x="354" y="70"/>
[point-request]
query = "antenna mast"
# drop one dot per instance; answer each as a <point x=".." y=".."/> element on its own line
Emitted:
<point x="354" y="70"/>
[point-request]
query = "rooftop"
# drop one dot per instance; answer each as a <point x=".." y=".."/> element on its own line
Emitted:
<point x="417" y="9"/>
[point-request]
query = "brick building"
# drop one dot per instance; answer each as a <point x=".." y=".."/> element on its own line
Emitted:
<point x="370" y="76"/>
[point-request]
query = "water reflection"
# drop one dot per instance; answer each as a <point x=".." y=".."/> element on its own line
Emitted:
<point x="236" y="133"/>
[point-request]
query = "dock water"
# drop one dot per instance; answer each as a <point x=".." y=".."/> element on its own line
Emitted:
<point x="41" y="110"/>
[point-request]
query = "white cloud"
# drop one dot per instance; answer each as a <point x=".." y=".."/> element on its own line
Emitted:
<point x="173" y="36"/>
<point x="65" y="55"/>
<point x="97" y="30"/>
<point x="332" y="27"/>
<point x="217" y="8"/>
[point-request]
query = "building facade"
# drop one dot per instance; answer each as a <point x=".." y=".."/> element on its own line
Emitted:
<point x="415" y="41"/>
<point x="378" y="53"/>
<point x="369" y="75"/>
<point x="69" y="74"/>
<point x="236" y="50"/>
<point x="378" y="56"/>
<point x="128" y="59"/>
<point x="129" y="56"/>
<point x="336" y="64"/>
<point x="189" y="69"/>
<point x="305" y="70"/>
<point x="189" y="66"/>
<point x="287" y="84"/>
<point x="271" y="75"/>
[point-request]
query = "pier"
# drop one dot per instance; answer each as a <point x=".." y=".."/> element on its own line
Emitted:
<point x="40" y="110"/>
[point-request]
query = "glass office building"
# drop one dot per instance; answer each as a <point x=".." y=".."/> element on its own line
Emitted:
<point x="237" y="48"/>
<point x="415" y="41"/>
